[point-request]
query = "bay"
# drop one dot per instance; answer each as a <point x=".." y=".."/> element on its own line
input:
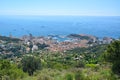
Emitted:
<point x="99" y="26"/>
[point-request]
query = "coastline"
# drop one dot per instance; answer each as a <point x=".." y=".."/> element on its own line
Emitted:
<point x="58" y="25"/>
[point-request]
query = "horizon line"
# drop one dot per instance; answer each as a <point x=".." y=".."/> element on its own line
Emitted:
<point x="69" y="15"/>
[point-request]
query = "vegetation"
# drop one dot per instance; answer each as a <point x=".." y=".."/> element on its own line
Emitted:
<point x="8" y="39"/>
<point x="30" y="64"/>
<point x="113" y="55"/>
<point x="100" y="62"/>
<point x="10" y="71"/>
<point x="42" y="46"/>
<point x="78" y="36"/>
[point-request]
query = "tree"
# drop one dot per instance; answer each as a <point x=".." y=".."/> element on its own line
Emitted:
<point x="10" y="71"/>
<point x="30" y="64"/>
<point x="113" y="55"/>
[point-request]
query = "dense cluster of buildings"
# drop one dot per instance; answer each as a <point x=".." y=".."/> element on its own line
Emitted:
<point x="56" y="45"/>
<point x="30" y="43"/>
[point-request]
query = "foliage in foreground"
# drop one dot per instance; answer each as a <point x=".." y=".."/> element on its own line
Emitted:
<point x="30" y="64"/>
<point x="9" y="71"/>
<point x="87" y="73"/>
<point x="112" y="55"/>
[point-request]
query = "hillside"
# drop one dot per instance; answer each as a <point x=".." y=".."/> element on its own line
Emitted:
<point x="8" y="39"/>
<point x="40" y="63"/>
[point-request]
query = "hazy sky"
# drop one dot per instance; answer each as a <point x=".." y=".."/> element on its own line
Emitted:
<point x="60" y="7"/>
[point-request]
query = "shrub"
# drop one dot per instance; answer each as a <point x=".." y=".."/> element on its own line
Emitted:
<point x="10" y="71"/>
<point x="80" y="64"/>
<point x="93" y="66"/>
<point x="30" y="64"/>
<point x="44" y="77"/>
<point x="79" y="76"/>
<point x="69" y="77"/>
<point x="113" y="55"/>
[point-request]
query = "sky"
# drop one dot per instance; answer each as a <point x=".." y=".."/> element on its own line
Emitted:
<point x="60" y="7"/>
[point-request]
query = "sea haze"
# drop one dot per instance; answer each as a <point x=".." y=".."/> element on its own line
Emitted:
<point x="60" y="25"/>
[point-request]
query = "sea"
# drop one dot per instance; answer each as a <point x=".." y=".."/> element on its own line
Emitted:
<point x="100" y="26"/>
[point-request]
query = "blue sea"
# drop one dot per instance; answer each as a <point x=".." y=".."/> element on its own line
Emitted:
<point x="101" y="26"/>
